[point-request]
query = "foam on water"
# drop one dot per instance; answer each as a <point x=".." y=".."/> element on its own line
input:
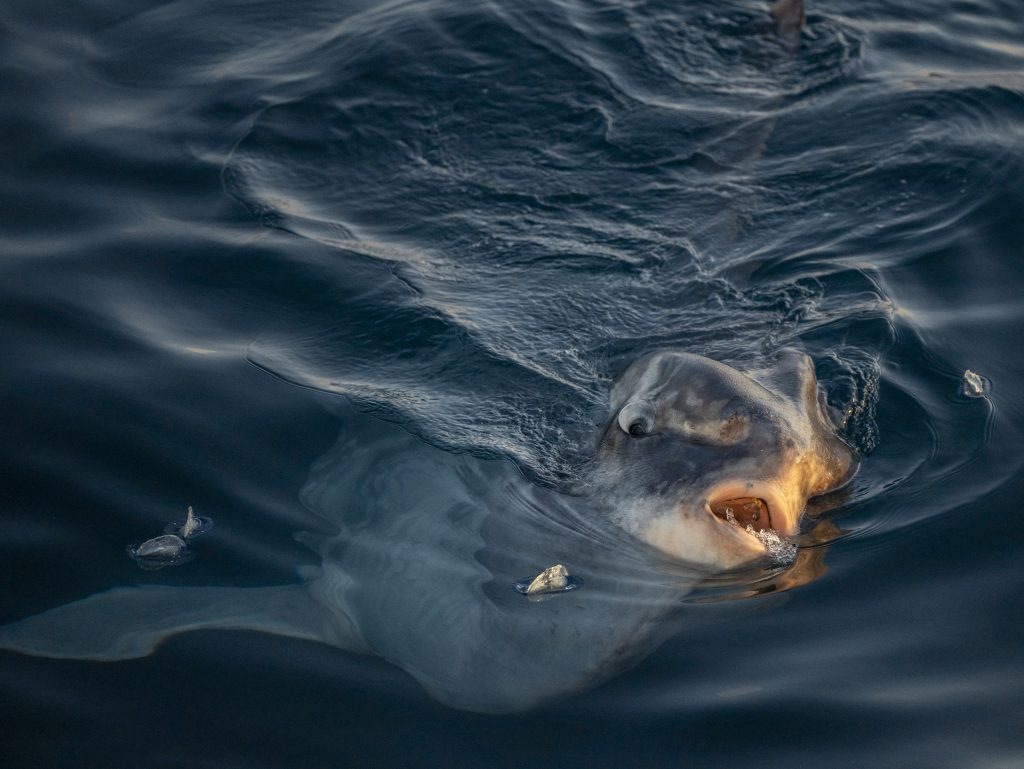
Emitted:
<point x="780" y="550"/>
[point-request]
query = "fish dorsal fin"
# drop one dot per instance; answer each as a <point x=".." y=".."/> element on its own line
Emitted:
<point x="790" y="376"/>
<point x="789" y="14"/>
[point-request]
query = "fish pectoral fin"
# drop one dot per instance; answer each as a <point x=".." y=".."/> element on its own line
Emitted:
<point x="125" y="623"/>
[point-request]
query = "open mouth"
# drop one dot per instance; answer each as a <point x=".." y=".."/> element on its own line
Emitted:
<point x="752" y="505"/>
<point x="745" y="511"/>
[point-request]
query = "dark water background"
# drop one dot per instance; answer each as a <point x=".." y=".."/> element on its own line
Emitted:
<point x="467" y="217"/>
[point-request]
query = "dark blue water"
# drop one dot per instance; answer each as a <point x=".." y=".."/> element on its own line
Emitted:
<point x="223" y="225"/>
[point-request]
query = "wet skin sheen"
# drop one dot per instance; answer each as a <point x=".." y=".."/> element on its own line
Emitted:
<point x="689" y="434"/>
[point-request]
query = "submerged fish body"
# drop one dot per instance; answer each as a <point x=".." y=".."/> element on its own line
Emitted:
<point x="700" y="467"/>
<point x="428" y="545"/>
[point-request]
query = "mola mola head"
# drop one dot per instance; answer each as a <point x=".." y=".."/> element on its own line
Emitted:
<point x="704" y="461"/>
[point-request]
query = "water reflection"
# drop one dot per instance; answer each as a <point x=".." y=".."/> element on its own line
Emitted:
<point x="467" y="219"/>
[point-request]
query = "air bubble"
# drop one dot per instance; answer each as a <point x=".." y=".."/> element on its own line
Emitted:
<point x="781" y="551"/>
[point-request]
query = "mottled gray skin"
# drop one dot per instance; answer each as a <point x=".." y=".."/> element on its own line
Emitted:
<point x="789" y="15"/>
<point x="427" y="545"/>
<point x="708" y="432"/>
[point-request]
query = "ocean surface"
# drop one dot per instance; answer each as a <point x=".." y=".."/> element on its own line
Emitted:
<point x="242" y="243"/>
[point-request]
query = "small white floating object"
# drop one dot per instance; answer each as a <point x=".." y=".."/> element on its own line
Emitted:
<point x="164" y="546"/>
<point x="974" y="385"/>
<point x="551" y="579"/>
<point x="191" y="526"/>
<point x="554" y="579"/>
<point x="156" y="553"/>
<point x="170" y="548"/>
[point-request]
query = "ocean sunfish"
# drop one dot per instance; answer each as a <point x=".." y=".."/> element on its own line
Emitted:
<point x="699" y="468"/>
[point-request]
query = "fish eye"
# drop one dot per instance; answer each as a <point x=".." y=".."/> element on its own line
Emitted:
<point x="637" y="418"/>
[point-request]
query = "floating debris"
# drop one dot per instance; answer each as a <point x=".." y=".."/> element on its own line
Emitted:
<point x="974" y="385"/>
<point x="191" y="526"/>
<point x="171" y="547"/>
<point x="554" y="579"/>
<point x="551" y="579"/>
<point x="156" y="553"/>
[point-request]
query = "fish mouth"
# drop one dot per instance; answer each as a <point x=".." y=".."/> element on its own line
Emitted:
<point x="752" y="505"/>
